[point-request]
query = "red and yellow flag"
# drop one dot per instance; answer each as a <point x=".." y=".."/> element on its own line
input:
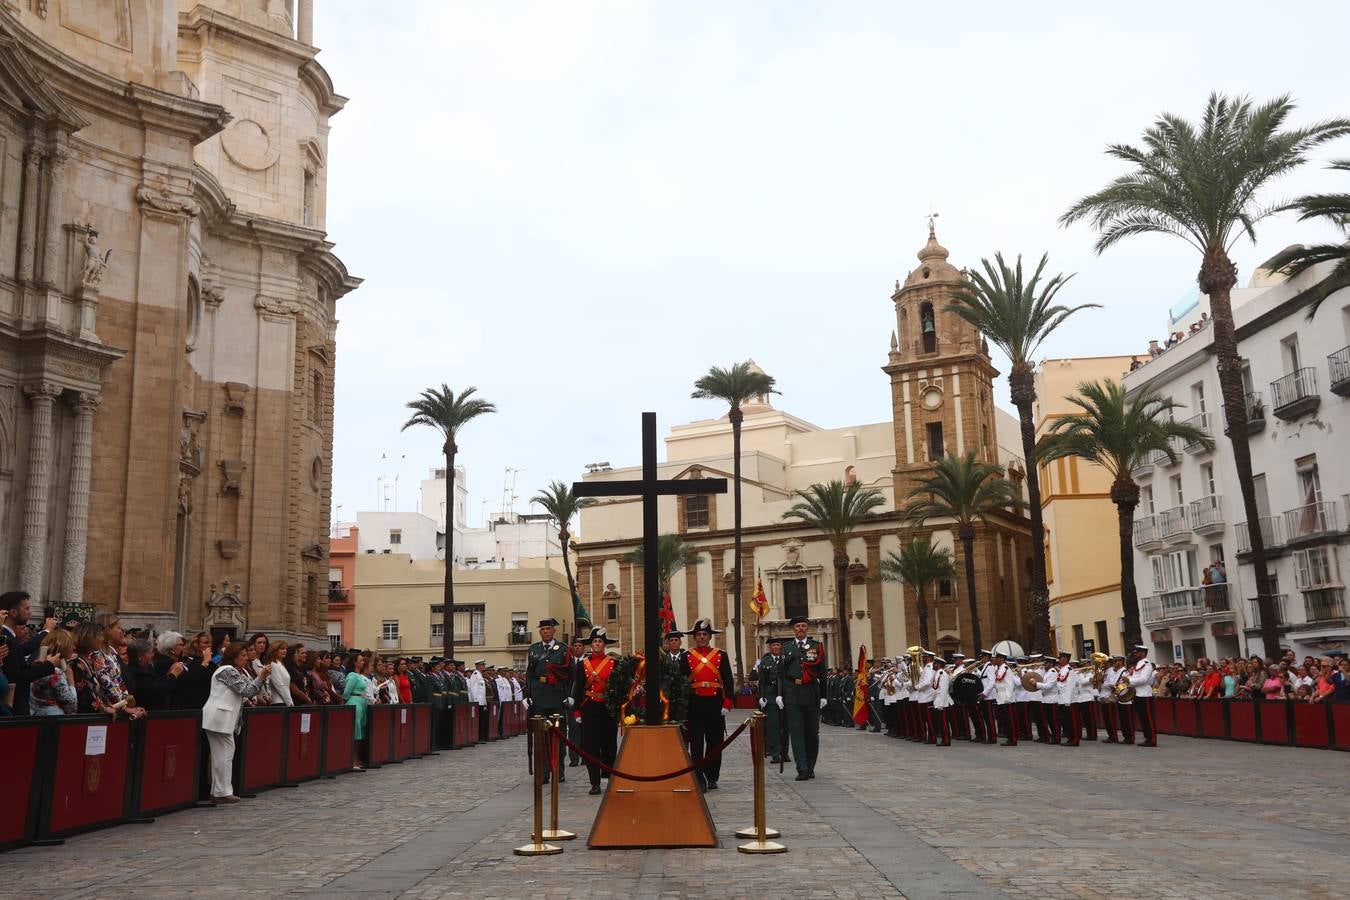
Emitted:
<point x="860" y="688"/>
<point x="667" y="615"/>
<point x="759" y="604"/>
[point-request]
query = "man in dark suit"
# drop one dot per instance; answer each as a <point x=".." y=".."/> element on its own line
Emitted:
<point x="16" y="666"/>
<point x="801" y="699"/>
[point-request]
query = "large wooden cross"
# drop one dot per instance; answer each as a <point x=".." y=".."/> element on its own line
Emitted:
<point x="649" y="488"/>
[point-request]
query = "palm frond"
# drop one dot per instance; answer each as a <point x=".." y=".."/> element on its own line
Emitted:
<point x="962" y="489"/>
<point x="736" y="385"/>
<point x="835" y="509"/>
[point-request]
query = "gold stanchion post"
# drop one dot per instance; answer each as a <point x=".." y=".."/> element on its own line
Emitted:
<point x="553" y="833"/>
<point x="538" y="847"/>
<point x="761" y="832"/>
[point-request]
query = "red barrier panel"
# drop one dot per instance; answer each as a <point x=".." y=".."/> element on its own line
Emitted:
<point x="746" y="701"/>
<point x="1165" y="715"/>
<point x="260" y="749"/>
<point x="89" y="780"/>
<point x="304" y="744"/>
<point x="493" y="729"/>
<point x="165" y="763"/>
<point x="380" y="734"/>
<point x="1340" y="725"/>
<point x="403" y="732"/>
<point x="339" y="742"/>
<point x="1273" y="722"/>
<point x="421" y="729"/>
<point x="19" y="753"/>
<point x="1211" y="719"/>
<point x="471" y="724"/>
<point x="1312" y="725"/>
<point x="1241" y="720"/>
<point x="1188" y="722"/>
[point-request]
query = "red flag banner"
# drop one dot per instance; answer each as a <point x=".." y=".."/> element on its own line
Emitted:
<point x="667" y="615"/>
<point x="860" y="688"/>
<point x="759" y="604"/>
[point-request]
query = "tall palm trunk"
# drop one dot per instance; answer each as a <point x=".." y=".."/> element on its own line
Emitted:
<point x="1218" y="275"/>
<point x="1125" y="495"/>
<point x="448" y="602"/>
<point x="736" y="416"/>
<point x="921" y="607"/>
<point x="1021" y="382"/>
<point x="841" y="606"/>
<point x="967" y="535"/>
<point x="564" y="538"/>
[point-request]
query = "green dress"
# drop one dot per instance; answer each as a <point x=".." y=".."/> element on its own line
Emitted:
<point x="354" y="692"/>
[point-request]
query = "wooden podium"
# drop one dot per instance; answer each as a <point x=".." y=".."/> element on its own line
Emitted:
<point x="639" y="814"/>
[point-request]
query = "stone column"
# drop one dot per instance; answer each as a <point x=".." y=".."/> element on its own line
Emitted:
<point x="77" y="510"/>
<point x="52" y="236"/>
<point x="33" y="550"/>
<point x="32" y="172"/>
<point x="304" y="23"/>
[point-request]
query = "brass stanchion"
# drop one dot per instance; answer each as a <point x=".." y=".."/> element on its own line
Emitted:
<point x="761" y="832"/>
<point x="553" y="833"/>
<point x="538" y="847"/>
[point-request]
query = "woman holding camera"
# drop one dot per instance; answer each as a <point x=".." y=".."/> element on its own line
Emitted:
<point x="232" y="684"/>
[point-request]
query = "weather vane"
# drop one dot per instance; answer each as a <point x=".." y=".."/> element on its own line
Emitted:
<point x="932" y="217"/>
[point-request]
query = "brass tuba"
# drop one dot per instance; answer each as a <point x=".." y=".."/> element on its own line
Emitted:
<point x="915" y="663"/>
<point x="1099" y="663"/>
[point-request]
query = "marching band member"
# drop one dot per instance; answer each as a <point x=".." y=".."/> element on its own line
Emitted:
<point x="942" y="705"/>
<point x="1106" y="697"/>
<point x="890" y="696"/>
<point x="1066" y="712"/>
<point x="1022" y="699"/>
<point x="904" y="700"/>
<point x="988" y="697"/>
<point x="1005" y="684"/>
<point x="1141" y="676"/>
<point x="1084" y="695"/>
<point x="1048" y="693"/>
<point x="923" y="698"/>
<point x="959" y="725"/>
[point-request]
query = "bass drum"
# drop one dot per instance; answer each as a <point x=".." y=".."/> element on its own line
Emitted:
<point x="966" y="688"/>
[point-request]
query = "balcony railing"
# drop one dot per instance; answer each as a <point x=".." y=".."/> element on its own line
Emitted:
<point x="1254" y="611"/>
<point x="1338" y="366"/>
<point x="1178" y="450"/>
<point x="1207" y="515"/>
<point x="1151" y="610"/>
<point x="337" y="595"/>
<point x="1256" y="413"/>
<point x="1182" y="604"/>
<point x="1203" y="423"/>
<point x="1172" y="524"/>
<point x="516" y="637"/>
<point x="1272" y="534"/>
<point x="1146" y="534"/>
<point x="1309" y="521"/>
<point x="1324" y="604"/>
<point x="1216" y="598"/>
<point x="390" y="643"/>
<point x="1295" y="394"/>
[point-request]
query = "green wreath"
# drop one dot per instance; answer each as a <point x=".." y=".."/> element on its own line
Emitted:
<point x="674" y="683"/>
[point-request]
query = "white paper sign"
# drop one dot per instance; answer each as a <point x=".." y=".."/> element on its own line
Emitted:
<point x="96" y="740"/>
<point x="304" y="723"/>
<point x="403" y="717"/>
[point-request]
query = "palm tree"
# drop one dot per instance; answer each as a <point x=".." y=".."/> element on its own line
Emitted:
<point x="1335" y="210"/>
<point x="1119" y="434"/>
<point x="835" y="510"/>
<point x="739" y="384"/>
<point x="919" y="564"/>
<point x="967" y="491"/>
<point x="1199" y="183"/>
<point x="559" y="502"/>
<point x="1017" y="315"/>
<point x="672" y="555"/>
<point x="442" y="410"/>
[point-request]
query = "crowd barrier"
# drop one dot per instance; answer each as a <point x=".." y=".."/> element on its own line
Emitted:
<point x="70" y="774"/>
<point x="1285" y="723"/>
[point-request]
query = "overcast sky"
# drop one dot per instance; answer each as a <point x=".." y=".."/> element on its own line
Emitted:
<point x="580" y="207"/>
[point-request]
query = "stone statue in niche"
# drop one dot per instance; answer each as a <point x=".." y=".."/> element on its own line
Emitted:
<point x="94" y="264"/>
<point x="185" y="495"/>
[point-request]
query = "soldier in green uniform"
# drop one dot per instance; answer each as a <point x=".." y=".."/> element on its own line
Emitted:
<point x="801" y="699"/>
<point x="771" y="666"/>
<point x="548" y="678"/>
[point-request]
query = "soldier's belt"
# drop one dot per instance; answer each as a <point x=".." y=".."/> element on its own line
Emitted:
<point x="543" y="679"/>
<point x="707" y="684"/>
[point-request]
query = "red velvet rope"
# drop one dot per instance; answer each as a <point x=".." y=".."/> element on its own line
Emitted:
<point x="716" y="751"/>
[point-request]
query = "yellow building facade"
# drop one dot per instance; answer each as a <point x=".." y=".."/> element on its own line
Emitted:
<point x="1082" y="548"/>
<point x="399" y="612"/>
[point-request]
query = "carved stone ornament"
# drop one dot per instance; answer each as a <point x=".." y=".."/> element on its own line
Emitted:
<point x="235" y="392"/>
<point x="276" y="305"/>
<point x="164" y="201"/>
<point x="312" y="551"/>
<point x="249" y="146"/>
<point x="228" y="549"/>
<point x="792" y="552"/>
<point x="610" y="592"/>
<point x="94" y="265"/>
<point x="185" y="494"/>
<point x="189" y="444"/>
<point x="39" y="8"/>
<point x="226" y="608"/>
<point x="233" y="472"/>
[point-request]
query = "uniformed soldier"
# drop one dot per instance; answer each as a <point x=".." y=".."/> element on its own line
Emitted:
<point x="943" y="705"/>
<point x="1106" y="698"/>
<point x="674" y="652"/>
<point x="574" y="729"/>
<point x="710" y="687"/>
<point x="417" y="681"/>
<point x="923" y="697"/>
<point x="1048" y="693"/>
<point x="801" y="699"/>
<point x="771" y="668"/>
<point x="1005" y="697"/>
<point x="478" y="695"/>
<point x="1140" y="675"/>
<point x="1065" y="687"/>
<point x="957" y="713"/>
<point x="598" y="728"/>
<point x="874" y="705"/>
<point x="1084" y="695"/>
<point x="988" y="696"/>
<point x="548" y="677"/>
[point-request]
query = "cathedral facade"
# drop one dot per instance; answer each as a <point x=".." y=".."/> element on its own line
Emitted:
<point x="941" y="401"/>
<point x="167" y="311"/>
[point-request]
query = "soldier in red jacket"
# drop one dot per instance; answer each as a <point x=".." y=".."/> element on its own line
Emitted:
<point x="710" y="689"/>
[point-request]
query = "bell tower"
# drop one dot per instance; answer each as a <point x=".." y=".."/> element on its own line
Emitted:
<point x="941" y="375"/>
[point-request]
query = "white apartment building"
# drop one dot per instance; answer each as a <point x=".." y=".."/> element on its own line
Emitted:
<point x="1190" y="513"/>
<point x="399" y="532"/>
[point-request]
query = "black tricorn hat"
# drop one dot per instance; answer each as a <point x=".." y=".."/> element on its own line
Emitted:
<point x="548" y="623"/>
<point x="795" y="619"/>
<point x="598" y="632"/>
<point x="674" y="632"/>
<point x="704" y="625"/>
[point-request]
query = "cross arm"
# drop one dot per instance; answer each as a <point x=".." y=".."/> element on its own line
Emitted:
<point x="640" y="488"/>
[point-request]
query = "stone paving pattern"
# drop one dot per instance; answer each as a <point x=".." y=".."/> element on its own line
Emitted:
<point x="1192" y="818"/>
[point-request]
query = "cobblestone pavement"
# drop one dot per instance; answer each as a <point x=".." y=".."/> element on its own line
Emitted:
<point x="1190" y="819"/>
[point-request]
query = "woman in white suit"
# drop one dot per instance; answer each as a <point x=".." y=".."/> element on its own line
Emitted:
<point x="232" y="684"/>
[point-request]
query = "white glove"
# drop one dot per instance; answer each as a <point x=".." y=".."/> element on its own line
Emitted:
<point x="567" y="702"/>
<point x="778" y="702"/>
<point x="526" y="701"/>
<point x="762" y="702"/>
<point x="822" y="703"/>
<point x="724" y="712"/>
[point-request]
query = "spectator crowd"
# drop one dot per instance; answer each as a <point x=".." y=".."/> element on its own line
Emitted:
<point x="1323" y="679"/>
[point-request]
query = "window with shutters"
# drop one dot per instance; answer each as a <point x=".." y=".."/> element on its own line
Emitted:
<point x="389" y="629"/>
<point x="935" y="447"/>
<point x="1315" y="568"/>
<point x="794" y="597"/>
<point x="696" y="512"/>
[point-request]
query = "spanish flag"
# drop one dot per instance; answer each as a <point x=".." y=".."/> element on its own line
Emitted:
<point x="759" y="604"/>
<point x="860" y="688"/>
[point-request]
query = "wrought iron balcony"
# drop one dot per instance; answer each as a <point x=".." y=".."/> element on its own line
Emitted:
<point x="1203" y="423"/>
<point x="1338" y="366"/>
<point x="1178" y="449"/>
<point x="1256" y="413"/>
<point x="1217" y="598"/>
<point x="1272" y="534"/>
<point x="1146" y="534"/>
<point x="337" y="595"/>
<point x="1173" y="526"/>
<point x="1150" y="610"/>
<point x="1254" y="611"/>
<point x="1206" y="515"/>
<point x="1295" y="394"/>
<point x="1324" y="604"/>
<point x="516" y="637"/>
<point x="392" y="643"/>
<point x="1313" y="520"/>
<point x="1184" y="603"/>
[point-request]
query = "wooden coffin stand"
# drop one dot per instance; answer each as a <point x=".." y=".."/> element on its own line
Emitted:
<point x="642" y="814"/>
